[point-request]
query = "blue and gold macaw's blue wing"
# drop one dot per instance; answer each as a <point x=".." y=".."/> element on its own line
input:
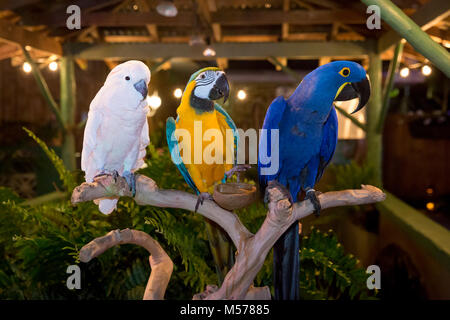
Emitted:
<point x="329" y="141"/>
<point x="272" y="121"/>
<point x="230" y="124"/>
<point x="174" y="150"/>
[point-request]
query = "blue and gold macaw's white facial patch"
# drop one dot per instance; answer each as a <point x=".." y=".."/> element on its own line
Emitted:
<point x="205" y="81"/>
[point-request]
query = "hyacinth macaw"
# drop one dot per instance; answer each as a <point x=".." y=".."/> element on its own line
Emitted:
<point x="198" y="106"/>
<point x="308" y="127"/>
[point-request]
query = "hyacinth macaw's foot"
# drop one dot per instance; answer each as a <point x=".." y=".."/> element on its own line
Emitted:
<point x="202" y="197"/>
<point x="236" y="169"/>
<point x="311" y="195"/>
<point x="131" y="180"/>
<point x="106" y="172"/>
<point x="279" y="186"/>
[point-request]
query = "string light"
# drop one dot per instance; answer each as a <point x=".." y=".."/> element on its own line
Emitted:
<point x="426" y="70"/>
<point x="209" y="52"/>
<point x="53" y="66"/>
<point x="154" y="101"/>
<point x="404" y="72"/>
<point x="430" y="206"/>
<point x="178" y="93"/>
<point x="241" y="95"/>
<point x="26" y="67"/>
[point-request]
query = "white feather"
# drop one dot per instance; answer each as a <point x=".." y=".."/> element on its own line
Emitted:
<point x="116" y="133"/>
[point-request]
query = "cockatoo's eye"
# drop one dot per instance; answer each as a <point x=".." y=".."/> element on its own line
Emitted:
<point x="127" y="78"/>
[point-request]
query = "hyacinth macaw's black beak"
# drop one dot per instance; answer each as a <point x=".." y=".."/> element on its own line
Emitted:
<point x="360" y="90"/>
<point x="221" y="89"/>
<point x="141" y="87"/>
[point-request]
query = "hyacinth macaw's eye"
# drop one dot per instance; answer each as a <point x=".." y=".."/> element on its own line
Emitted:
<point x="345" y="72"/>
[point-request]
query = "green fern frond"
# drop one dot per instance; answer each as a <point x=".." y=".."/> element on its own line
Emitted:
<point x="65" y="175"/>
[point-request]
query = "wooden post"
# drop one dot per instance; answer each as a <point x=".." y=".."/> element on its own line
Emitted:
<point x="374" y="138"/>
<point x="68" y="108"/>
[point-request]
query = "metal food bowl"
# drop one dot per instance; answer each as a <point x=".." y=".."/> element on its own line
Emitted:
<point x="235" y="195"/>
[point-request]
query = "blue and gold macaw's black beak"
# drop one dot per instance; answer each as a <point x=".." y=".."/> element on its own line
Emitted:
<point x="360" y="90"/>
<point x="141" y="87"/>
<point x="220" y="89"/>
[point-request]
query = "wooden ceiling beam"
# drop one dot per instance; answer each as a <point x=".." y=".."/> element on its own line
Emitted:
<point x="151" y="27"/>
<point x="16" y="4"/>
<point x="297" y="17"/>
<point x="8" y="50"/>
<point x="285" y="25"/>
<point x="17" y="35"/>
<point x="298" y="50"/>
<point x="120" y="19"/>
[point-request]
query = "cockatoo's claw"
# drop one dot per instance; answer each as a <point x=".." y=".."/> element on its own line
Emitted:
<point x="311" y="195"/>
<point x="131" y="180"/>
<point x="112" y="173"/>
<point x="202" y="197"/>
<point x="283" y="190"/>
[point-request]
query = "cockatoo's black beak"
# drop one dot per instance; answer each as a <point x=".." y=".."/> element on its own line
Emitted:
<point x="141" y="87"/>
<point x="221" y="89"/>
<point x="360" y="90"/>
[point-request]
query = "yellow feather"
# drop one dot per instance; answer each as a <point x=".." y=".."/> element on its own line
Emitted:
<point x="204" y="175"/>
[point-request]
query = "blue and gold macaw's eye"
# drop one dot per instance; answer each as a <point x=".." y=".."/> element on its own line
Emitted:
<point x="345" y="72"/>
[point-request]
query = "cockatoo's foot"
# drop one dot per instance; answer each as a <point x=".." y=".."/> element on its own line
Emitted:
<point x="236" y="169"/>
<point x="131" y="180"/>
<point x="202" y="197"/>
<point x="279" y="186"/>
<point x="311" y="195"/>
<point x="105" y="172"/>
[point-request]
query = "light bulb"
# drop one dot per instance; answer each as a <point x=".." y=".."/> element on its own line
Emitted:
<point x="26" y="67"/>
<point x="241" y="95"/>
<point x="166" y="8"/>
<point x="404" y="72"/>
<point x="53" y="66"/>
<point x="154" y="101"/>
<point x="209" y="52"/>
<point x="426" y="70"/>
<point x="178" y="93"/>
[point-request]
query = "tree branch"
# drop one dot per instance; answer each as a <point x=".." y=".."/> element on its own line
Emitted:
<point x="251" y="249"/>
<point x="160" y="262"/>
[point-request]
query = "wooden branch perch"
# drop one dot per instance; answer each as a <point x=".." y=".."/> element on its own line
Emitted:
<point x="160" y="262"/>
<point x="252" y="249"/>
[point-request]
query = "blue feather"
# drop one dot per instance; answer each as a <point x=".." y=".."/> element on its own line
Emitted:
<point x="174" y="149"/>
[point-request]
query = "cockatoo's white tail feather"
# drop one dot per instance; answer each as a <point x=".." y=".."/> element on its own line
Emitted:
<point x="106" y="206"/>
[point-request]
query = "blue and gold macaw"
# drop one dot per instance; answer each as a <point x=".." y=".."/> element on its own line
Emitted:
<point x="308" y="127"/>
<point x="198" y="107"/>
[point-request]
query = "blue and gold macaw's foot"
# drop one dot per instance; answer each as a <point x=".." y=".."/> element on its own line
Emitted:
<point x="279" y="186"/>
<point x="106" y="172"/>
<point x="311" y="195"/>
<point x="237" y="169"/>
<point x="202" y="197"/>
<point x="131" y="180"/>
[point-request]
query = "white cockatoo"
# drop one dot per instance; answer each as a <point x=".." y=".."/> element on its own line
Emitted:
<point x="116" y="132"/>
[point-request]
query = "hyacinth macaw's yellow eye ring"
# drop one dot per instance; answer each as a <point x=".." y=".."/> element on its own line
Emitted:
<point x="345" y="72"/>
